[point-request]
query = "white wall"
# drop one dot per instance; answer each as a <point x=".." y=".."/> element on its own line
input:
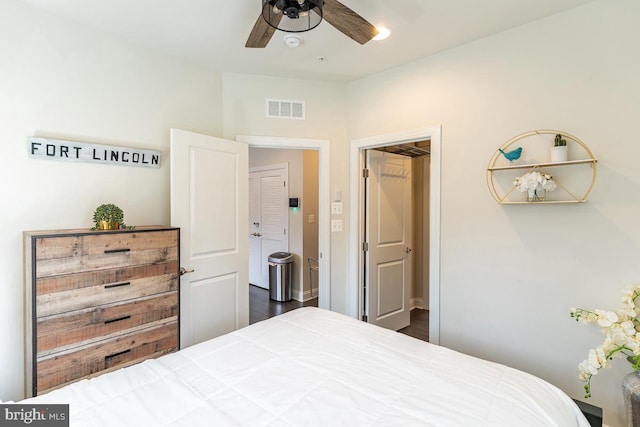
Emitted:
<point x="62" y="80"/>
<point x="511" y="273"/>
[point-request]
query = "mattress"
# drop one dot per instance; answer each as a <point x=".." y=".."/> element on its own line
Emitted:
<point x="313" y="367"/>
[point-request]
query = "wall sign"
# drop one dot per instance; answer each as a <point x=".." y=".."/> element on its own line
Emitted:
<point x="72" y="151"/>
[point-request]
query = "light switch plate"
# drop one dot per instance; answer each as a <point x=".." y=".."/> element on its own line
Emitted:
<point x="312" y="219"/>
<point x="336" y="225"/>
<point x="336" y="208"/>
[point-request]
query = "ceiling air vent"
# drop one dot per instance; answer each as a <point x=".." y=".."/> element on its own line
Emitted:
<point x="285" y="109"/>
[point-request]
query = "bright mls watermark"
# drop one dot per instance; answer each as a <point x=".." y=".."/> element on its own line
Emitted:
<point x="16" y="414"/>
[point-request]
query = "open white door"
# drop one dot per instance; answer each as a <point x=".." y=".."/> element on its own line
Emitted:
<point x="388" y="234"/>
<point x="209" y="202"/>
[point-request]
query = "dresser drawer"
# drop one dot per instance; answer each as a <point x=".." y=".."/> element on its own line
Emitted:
<point x="89" y="252"/>
<point x="63" y="368"/>
<point x="60" y="332"/>
<point x="78" y="299"/>
<point x="51" y="284"/>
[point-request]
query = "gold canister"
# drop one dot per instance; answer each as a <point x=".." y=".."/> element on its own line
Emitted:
<point x="108" y="225"/>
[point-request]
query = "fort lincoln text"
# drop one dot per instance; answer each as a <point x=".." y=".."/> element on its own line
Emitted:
<point x="55" y="149"/>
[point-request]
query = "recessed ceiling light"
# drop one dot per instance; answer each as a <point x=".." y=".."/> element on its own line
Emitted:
<point x="383" y="33"/>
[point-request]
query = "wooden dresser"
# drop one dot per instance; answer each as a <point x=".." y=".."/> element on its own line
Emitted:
<point x="96" y="301"/>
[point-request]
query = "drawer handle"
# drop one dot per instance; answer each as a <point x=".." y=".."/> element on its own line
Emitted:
<point x="114" y="251"/>
<point x="111" y="356"/>
<point x="106" y="322"/>
<point x="117" y="285"/>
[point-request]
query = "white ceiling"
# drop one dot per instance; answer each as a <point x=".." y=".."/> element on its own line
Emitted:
<point x="213" y="32"/>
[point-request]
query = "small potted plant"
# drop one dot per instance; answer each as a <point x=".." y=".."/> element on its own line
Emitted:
<point x="108" y="217"/>
<point x="559" y="149"/>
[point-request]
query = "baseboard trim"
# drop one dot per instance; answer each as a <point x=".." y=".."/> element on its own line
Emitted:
<point x="307" y="295"/>
<point x="417" y="303"/>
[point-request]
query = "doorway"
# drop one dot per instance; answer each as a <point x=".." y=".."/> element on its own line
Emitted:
<point x="323" y="149"/>
<point x="357" y="237"/>
<point x="281" y="178"/>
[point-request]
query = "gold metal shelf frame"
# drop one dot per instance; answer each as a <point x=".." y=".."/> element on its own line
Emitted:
<point x="492" y="168"/>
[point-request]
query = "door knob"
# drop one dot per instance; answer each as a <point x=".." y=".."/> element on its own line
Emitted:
<point x="256" y="234"/>
<point x="408" y="250"/>
<point x="184" y="271"/>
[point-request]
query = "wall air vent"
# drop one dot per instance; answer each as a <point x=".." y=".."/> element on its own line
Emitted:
<point x="285" y="109"/>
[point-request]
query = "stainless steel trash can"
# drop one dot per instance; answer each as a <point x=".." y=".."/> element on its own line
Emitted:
<point x="280" y="275"/>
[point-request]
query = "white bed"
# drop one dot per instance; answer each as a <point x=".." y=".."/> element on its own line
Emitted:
<point x="313" y="367"/>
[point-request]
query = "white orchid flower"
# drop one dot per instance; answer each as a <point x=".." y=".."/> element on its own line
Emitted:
<point x="549" y="185"/>
<point x="628" y="327"/>
<point x="595" y="360"/>
<point x="622" y="336"/>
<point x="606" y="318"/>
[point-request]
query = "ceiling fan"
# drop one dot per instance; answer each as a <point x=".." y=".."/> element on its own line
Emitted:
<point x="303" y="15"/>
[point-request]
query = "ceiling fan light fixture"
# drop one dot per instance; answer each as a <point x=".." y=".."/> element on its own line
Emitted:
<point x="303" y="15"/>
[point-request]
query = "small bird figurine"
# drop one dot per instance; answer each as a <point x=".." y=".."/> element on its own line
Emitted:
<point x="512" y="155"/>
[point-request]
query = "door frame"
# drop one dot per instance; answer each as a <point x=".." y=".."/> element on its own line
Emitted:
<point x="356" y="235"/>
<point x="324" y="186"/>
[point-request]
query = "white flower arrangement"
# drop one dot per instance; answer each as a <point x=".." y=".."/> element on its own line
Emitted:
<point x="534" y="181"/>
<point x="622" y="335"/>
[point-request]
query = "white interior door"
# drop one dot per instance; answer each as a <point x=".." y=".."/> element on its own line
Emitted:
<point x="269" y="220"/>
<point x="389" y="234"/>
<point x="209" y="202"/>
<point x="255" y="232"/>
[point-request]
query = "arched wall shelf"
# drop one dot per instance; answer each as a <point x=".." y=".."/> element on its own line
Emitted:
<point x="574" y="178"/>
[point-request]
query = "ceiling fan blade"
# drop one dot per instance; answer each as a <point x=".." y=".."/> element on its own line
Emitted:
<point x="261" y="32"/>
<point x="348" y="22"/>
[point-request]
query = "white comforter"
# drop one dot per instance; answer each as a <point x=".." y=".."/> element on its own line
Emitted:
<point x="312" y="367"/>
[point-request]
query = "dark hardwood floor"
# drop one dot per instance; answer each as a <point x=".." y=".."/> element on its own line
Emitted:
<point x="419" y="327"/>
<point x="262" y="308"/>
